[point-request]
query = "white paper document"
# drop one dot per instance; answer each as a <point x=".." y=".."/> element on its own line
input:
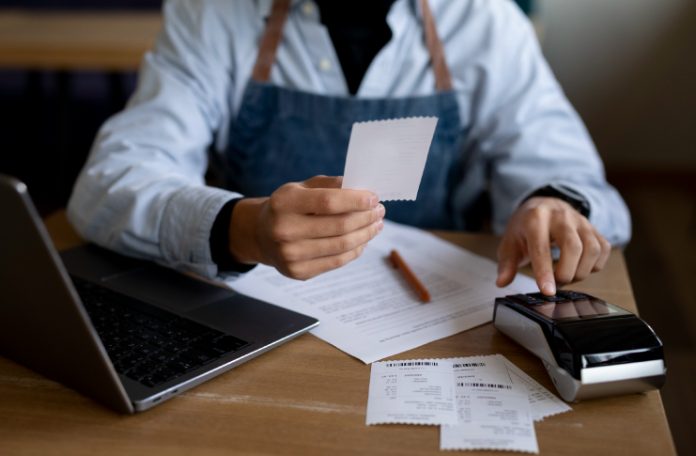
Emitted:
<point x="412" y="392"/>
<point x="388" y="156"/>
<point x="494" y="412"/>
<point x="368" y="310"/>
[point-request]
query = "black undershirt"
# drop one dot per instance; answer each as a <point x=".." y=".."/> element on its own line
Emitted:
<point x="358" y="30"/>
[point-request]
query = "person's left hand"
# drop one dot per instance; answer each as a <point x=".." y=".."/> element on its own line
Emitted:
<point x="537" y="225"/>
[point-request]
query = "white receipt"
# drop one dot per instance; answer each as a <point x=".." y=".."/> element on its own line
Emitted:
<point x="543" y="402"/>
<point x="411" y="392"/>
<point x="496" y="403"/>
<point x="388" y="156"/>
<point x="367" y="309"/>
<point x="494" y="412"/>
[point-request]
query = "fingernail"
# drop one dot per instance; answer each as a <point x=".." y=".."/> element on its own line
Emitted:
<point x="548" y="288"/>
<point x="380" y="226"/>
<point x="373" y="201"/>
<point x="380" y="210"/>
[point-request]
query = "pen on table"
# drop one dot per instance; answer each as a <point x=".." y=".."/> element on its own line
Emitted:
<point x="410" y="277"/>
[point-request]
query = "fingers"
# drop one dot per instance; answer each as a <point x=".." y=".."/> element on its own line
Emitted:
<point x="583" y="249"/>
<point x="591" y="251"/>
<point x="604" y="256"/>
<point x="565" y="235"/>
<point x="539" y="251"/>
<point x="531" y="231"/>
<point x="300" y="199"/>
<point x="324" y="247"/>
<point x="509" y="257"/>
<point x="304" y="270"/>
<point x="296" y="227"/>
<point x="324" y="182"/>
<point x="314" y="226"/>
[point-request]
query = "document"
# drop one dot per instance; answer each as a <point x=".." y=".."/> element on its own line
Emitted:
<point x="388" y="156"/>
<point x="368" y="310"/>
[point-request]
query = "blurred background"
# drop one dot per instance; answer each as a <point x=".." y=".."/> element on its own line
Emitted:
<point x="628" y="66"/>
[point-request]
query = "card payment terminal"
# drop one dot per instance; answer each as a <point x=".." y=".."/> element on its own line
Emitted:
<point x="589" y="347"/>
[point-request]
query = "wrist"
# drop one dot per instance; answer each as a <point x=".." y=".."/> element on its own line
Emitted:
<point x="243" y="241"/>
<point x="566" y="194"/>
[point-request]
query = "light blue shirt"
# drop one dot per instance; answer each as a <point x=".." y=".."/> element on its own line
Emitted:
<point x="142" y="191"/>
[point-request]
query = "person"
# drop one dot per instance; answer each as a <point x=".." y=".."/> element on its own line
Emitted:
<point x="266" y="93"/>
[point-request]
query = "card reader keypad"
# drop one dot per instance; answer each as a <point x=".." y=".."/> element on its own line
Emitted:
<point x="532" y="299"/>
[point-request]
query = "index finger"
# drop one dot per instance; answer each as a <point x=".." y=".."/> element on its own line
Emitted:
<point x="539" y="251"/>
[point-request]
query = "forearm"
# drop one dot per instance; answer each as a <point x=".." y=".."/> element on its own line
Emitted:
<point x="147" y="212"/>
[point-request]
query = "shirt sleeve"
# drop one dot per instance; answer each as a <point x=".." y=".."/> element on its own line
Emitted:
<point x="142" y="190"/>
<point x="530" y="136"/>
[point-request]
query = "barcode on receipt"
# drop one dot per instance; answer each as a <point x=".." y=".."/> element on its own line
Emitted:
<point x="412" y="363"/>
<point x="485" y="385"/>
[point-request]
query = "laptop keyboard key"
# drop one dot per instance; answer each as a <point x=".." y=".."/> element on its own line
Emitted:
<point x="148" y="344"/>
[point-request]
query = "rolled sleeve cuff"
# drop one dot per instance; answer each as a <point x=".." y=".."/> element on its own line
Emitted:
<point x="186" y="225"/>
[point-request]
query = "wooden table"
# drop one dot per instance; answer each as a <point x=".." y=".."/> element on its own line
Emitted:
<point x="58" y="40"/>
<point x="307" y="397"/>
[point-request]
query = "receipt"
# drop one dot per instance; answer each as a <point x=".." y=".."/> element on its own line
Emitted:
<point x="388" y="156"/>
<point x="494" y="412"/>
<point x="542" y="401"/>
<point x="411" y="392"/>
<point x="481" y="402"/>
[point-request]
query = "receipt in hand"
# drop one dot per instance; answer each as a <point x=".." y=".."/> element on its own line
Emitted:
<point x="388" y="156"/>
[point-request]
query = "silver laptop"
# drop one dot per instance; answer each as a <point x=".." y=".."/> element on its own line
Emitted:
<point x="125" y="332"/>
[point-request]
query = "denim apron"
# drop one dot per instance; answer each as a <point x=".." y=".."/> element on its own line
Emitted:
<point x="282" y="135"/>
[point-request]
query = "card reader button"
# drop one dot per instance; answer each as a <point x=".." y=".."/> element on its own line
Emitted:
<point x="572" y="295"/>
<point x="529" y="299"/>
<point x="544" y="299"/>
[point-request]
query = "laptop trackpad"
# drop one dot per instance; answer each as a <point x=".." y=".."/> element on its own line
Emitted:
<point x="247" y="318"/>
<point x="167" y="289"/>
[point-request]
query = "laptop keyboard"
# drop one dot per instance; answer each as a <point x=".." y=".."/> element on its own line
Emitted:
<point x="148" y="344"/>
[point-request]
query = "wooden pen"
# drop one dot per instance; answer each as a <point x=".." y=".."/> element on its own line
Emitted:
<point x="410" y="277"/>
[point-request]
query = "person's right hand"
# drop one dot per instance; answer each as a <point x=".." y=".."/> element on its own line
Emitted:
<point x="305" y="228"/>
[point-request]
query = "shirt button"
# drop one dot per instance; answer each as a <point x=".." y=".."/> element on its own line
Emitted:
<point x="308" y="8"/>
<point x="325" y="64"/>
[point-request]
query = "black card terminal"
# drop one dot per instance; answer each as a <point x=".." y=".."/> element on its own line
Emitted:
<point x="590" y="348"/>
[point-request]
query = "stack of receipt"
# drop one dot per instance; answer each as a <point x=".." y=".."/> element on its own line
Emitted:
<point x="480" y="402"/>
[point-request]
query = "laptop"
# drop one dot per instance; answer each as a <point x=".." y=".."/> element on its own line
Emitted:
<point x="125" y="332"/>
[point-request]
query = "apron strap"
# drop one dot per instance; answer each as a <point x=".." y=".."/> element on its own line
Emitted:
<point x="270" y="41"/>
<point x="274" y="32"/>
<point x="443" y="79"/>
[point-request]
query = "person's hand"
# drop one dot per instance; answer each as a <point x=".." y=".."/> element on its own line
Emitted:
<point x="537" y="225"/>
<point x="305" y="228"/>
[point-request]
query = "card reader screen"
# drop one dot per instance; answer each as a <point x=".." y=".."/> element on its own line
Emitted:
<point x="580" y="308"/>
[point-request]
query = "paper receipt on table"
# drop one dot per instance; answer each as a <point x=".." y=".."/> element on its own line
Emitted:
<point x="494" y="411"/>
<point x="412" y="392"/>
<point x="388" y="157"/>
<point x="489" y="404"/>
